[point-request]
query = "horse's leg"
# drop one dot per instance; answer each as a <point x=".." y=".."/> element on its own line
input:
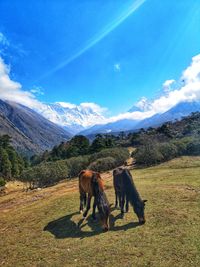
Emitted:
<point x="82" y="195"/>
<point x="93" y="212"/>
<point x="122" y="204"/>
<point x="120" y="199"/>
<point x="85" y="199"/>
<point x="116" y="199"/>
<point x="88" y="205"/>
<point x="127" y="203"/>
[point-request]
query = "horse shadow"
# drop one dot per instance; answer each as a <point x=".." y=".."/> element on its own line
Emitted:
<point x="65" y="227"/>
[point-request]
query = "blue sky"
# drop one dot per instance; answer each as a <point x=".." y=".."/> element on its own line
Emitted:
<point x="154" y="43"/>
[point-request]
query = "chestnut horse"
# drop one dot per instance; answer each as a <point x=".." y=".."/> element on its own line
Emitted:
<point x="91" y="184"/>
<point x="125" y="189"/>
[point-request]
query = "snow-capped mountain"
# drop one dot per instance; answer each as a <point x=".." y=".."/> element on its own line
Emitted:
<point x="177" y="112"/>
<point x="30" y="132"/>
<point x="72" y="117"/>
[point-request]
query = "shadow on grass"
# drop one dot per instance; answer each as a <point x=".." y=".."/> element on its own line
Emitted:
<point x="65" y="227"/>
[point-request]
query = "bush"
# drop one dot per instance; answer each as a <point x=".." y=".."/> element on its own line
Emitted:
<point x="50" y="173"/>
<point x="76" y="164"/>
<point x="119" y="154"/>
<point x="147" y="155"/>
<point x="2" y="182"/>
<point x="168" y="150"/>
<point x="103" y="164"/>
<point x="45" y="174"/>
<point x="193" y="148"/>
<point x="181" y="146"/>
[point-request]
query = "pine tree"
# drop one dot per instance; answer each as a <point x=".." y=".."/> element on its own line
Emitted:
<point x="13" y="157"/>
<point x="5" y="163"/>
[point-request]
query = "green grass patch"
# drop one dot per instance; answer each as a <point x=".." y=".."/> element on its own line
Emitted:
<point x="45" y="233"/>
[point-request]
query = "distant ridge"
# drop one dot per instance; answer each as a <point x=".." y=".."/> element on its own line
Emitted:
<point x="175" y="113"/>
<point x="30" y="132"/>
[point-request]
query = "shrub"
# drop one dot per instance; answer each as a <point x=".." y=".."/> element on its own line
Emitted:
<point x="103" y="164"/>
<point x="76" y="164"/>
<point x="2" y="182"/>
<point x="45" y="174"/>
<point x="119" y="154"/>
<point x="181" y="146"/>
<point x="147" y="155"/>
<point x="193" y="148"/>
<point x="168" y="150"/>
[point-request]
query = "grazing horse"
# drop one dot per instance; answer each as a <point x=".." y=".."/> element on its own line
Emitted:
<point x="91" y="183"/>
<point x="125" y="188"/>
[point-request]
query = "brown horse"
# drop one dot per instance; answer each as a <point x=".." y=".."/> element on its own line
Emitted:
<point x="125" y="188"/>
<point x="91" y="184"/>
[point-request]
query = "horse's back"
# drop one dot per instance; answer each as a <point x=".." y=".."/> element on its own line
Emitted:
<point x="85" y="181"/>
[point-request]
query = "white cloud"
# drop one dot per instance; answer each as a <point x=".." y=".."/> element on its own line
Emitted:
<point x="144" y="104"/>
<point x="3" y="40"/>
<point x="86" y="105"/>
<point x="188" y="91"/>
<point x="66" y="105"/>
<point x="37" y="90"/>
<point x="11" y="90"/>
<point x="117" y="67"/>
<point x="96" y="108"/>
<point x="167" y="85"/>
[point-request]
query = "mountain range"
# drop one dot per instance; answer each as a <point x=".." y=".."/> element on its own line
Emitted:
<point x="71" y="117"/>
<point x="175" y="113"/>
<point x="31" y="133"/>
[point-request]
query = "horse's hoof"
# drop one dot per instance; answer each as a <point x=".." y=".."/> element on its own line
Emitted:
<point x="81" y="211"/>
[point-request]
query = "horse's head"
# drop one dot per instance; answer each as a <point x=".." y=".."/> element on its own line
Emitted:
<point x="139" y="210"/>
<point x="104" y="212"/>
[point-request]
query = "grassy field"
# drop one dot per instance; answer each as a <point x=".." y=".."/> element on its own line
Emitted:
<point x="39" y="228"/>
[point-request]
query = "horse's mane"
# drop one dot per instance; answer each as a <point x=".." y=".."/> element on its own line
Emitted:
<point x="99" y="194"/>
<point x="130" y="188"/>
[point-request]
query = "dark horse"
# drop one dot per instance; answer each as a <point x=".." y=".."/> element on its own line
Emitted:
<point x="125" y="189"/>
<point x="91" y="183"/>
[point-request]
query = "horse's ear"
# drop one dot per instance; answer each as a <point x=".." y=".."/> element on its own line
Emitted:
<point x="145" y="200"/>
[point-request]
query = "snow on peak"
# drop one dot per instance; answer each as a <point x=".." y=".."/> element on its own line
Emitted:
<point x="73" y="116"/>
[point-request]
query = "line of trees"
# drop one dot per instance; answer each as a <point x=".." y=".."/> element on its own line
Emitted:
<point x="50" y="173"/>
<point x="11" y="163"/>
<point x="168" y="141"/>
<point x="79" y="145"/>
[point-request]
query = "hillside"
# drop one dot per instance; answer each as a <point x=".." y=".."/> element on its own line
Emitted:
<point x="39" y="228"/>
<point x="20" y="141"/>
<point x="30" y="132"/>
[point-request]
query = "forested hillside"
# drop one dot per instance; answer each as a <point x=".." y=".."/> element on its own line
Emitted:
<point x="11" y="163"/>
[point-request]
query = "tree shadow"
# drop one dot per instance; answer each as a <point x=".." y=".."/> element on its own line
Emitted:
<point x="65" y="227"/>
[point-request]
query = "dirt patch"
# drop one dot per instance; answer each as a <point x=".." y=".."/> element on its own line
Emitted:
<point x="16" y="195"/>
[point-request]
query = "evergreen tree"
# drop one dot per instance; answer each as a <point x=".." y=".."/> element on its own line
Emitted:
<point x="5" y="163"/>
<point x="13" y="157"/>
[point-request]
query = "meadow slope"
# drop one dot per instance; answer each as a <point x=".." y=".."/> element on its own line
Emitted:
<point x="39" y="228"/>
